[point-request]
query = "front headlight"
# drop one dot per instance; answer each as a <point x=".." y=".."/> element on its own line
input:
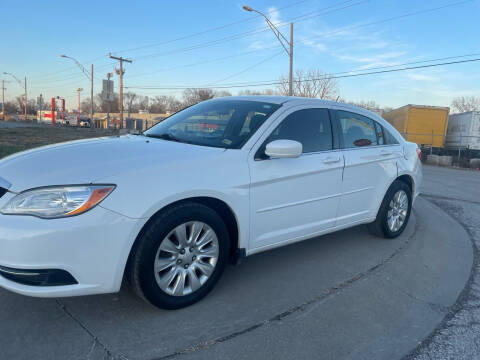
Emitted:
<point x="58" y="201"/>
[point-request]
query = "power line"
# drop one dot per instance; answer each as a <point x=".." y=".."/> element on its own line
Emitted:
<point x="196" y="63"/>
<point x="413" y="13"/>
<point x="307" y="80"/>
<point x="194" y="47"/>
<point x="248" y="68"/>
<point x="250" y="32"/>
<point x="249" y="19"/>
<point x="382" y="67"/>
<point x="306" y="17"/>
<point x="52" y="76"/>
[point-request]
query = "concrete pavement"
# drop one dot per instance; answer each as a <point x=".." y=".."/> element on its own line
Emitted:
<point x="457" y="192"/>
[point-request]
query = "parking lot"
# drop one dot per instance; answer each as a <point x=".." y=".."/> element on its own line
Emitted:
<point x="346" y="295"/>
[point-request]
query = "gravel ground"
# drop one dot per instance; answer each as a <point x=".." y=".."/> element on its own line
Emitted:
<point x="458" y="337"/>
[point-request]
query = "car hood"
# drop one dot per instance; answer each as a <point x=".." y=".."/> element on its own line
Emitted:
<point x="88" y="161"/>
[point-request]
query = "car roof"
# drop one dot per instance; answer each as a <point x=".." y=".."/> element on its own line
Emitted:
<point x="293" y="100"/>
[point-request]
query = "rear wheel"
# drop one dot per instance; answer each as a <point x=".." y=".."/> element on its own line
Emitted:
<point x="180" y="256"/>
<point x="394" y="212"/>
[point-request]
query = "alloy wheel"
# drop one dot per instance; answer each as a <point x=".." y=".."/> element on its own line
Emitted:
<point x="186" y="258"/>
<point x="397" y="211"/>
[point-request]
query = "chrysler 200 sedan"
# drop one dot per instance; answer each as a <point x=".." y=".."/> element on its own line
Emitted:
<point x="223" y="179"/>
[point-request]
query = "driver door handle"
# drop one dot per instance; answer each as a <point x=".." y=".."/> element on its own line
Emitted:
<point x="331" y="159"/>
<point x="385" y="153"/>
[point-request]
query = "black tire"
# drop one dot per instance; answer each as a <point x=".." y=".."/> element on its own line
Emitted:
<point x="140" y="268"/>
<point x="380" y="226"/>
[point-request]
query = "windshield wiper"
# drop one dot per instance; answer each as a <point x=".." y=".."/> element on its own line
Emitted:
<point x="166" y="136"/>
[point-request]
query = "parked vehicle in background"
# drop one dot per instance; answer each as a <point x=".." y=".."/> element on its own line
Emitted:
<point x="223" y="179"/>
<point x="463" y="131"/>
<point x="85" y="122"/>
<point x="71" y="120"/>
<point x="421" y="124"/>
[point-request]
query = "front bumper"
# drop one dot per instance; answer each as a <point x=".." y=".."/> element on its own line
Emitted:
<point x="93" y="248"/>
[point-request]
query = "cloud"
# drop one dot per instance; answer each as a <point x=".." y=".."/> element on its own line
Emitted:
<point x="274" y="15"/>
<point x="421" y="77"/>
<point x="315" y="45"/>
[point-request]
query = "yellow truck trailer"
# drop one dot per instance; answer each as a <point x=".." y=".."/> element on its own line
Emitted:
<point x="421" y="124"/>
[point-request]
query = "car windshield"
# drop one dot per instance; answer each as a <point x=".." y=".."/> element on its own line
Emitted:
<point x="216" y="123"/>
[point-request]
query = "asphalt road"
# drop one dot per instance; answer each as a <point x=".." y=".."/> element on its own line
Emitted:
<point x="346" y="295"/>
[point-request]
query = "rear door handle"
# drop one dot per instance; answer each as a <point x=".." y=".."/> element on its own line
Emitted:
<point x="385" y="153"/>
<point x="331" y="159"/>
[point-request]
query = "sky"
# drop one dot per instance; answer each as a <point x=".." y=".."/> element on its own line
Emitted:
<point x="215" y="43"/>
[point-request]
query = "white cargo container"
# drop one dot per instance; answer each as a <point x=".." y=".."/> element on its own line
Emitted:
<point x="464" y="131"/>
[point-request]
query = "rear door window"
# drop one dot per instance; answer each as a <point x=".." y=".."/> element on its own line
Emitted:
<point x="389" y="138"/>
<point x="356" y="130"/>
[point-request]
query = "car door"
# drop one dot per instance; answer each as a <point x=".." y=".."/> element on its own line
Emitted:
<point x="295" y="198"/>
<point x="370" y="166"/>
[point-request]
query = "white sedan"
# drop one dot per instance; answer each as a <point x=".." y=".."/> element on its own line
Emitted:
<point x="218" y="181"/>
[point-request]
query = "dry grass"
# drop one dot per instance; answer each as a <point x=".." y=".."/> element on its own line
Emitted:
<point x="22" y="138"/>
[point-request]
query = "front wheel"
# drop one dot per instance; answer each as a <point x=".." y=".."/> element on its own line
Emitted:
<point x="180" y="256"/>
<point x="394" y="212"/>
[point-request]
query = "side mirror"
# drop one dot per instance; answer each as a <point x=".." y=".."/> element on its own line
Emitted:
<point x="284" y="149"/>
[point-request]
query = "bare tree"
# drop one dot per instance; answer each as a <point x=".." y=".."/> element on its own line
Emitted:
<point x="32" y="107"/>
<point x="222" y="93"/>
<point x="313" y="84"/>
<point x="143" y="102"/>
<point x="158" y="105"/>
<point x="174" y="105"/>
<point x="466" y="103"/>
<point x="10" y="107"/>
<point x="85" y="105"/>
<point x="101" y="104"/>
<point x="129" y="99"/>
<point x="369" y="105"/>
<point x="162" y="104"/>
<point x="194" y="96"/>
<point x="259" y="92"/>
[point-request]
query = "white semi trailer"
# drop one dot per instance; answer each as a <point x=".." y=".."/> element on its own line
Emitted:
<point x="463" y="131"/>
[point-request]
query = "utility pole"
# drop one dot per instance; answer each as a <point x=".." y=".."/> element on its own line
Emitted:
<point x="3" y="100"/>
<point x="109" y="75"/>
<point x="26" y="102"/>
<point x="120" y="73"/>
<point x="91" y="97"/>
<point x="78" y="115"/>
<point x="290" y="75"/>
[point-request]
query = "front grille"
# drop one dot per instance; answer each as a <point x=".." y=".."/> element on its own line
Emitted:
<point x="2" y="191"/>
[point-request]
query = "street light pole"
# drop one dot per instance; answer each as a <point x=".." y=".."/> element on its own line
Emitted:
<point x="283" y="41"/>
<point x="26" y="102"/>
<point x="89" y="76"/>
<point x="24" y="97"/>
